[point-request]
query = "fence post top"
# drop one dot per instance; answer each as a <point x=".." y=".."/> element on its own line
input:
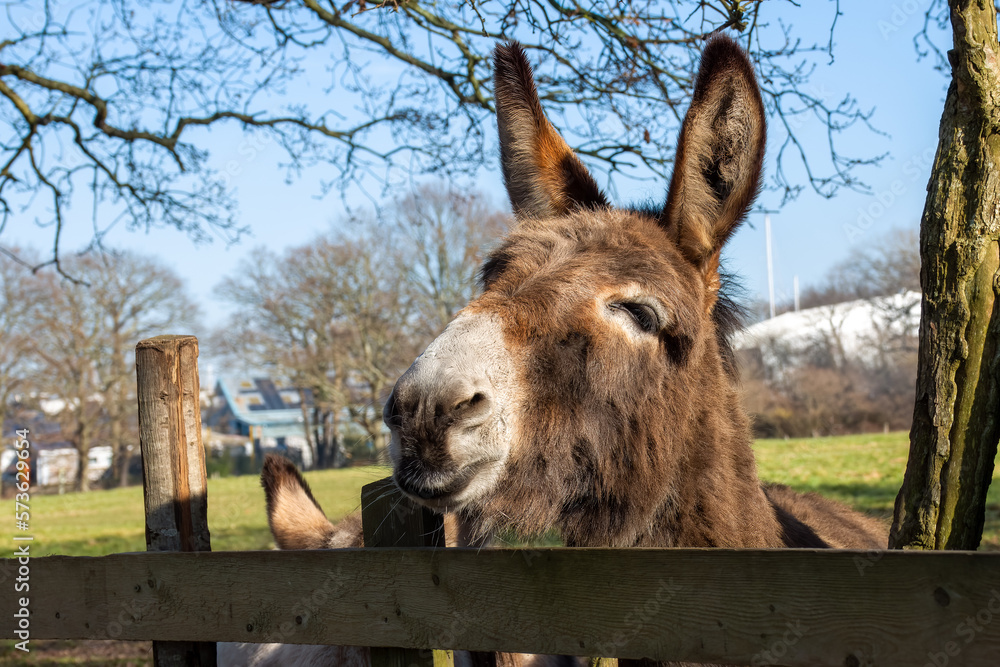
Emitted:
<point x="166" y="340"/>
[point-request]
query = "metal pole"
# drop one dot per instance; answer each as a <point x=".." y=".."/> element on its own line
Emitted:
<point x="770" y="264"/>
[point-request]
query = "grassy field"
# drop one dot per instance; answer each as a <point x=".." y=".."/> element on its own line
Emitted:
<point x="864" y="471"/>
<point x="104" y="522"/>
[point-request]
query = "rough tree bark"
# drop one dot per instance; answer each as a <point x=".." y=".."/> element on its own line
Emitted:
<point x="956" y="420"/>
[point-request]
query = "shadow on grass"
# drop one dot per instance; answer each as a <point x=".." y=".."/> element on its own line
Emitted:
<point x="867" y="496"/>
<point x="99" y="545"/>
<point x="241" y="538"/>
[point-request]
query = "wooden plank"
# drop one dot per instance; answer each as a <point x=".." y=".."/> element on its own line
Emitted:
<point x="788" y="607"/>
<point x="389" y="519"/>
<point x="175" y="490"/>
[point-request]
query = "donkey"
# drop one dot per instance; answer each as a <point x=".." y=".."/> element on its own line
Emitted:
<point x="592" y="387"/>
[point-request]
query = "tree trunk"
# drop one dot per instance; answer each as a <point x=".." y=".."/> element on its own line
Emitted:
<point x="124" y="458"/>
<point x="118" y="409"/>
<point x="956" y="423"/>
<point x="118" y="453"/>
<point x="338" y="455"/>
<point x="307" y="427"/>
<point x="83" y="451"/>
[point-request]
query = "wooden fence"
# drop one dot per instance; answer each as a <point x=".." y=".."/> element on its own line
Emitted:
<point x="751" y="607"/>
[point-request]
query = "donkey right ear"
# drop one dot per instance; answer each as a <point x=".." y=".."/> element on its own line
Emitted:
<point x="720" y="154"/>
<point x="544" y="177"/>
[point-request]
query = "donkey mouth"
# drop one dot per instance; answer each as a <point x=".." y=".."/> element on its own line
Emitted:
<point x="439" y="489"/>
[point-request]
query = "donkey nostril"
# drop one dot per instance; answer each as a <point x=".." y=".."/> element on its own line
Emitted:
<point x="476" y="399"/>
<point x="477" y="405"/>
<point x="390" y="411"/>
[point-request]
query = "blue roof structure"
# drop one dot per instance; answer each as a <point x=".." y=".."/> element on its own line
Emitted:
<point x="262" y="402"/>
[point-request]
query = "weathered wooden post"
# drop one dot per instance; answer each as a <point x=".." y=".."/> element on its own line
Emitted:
<point x="389" y="519"/>
<point x="173" y="466"/>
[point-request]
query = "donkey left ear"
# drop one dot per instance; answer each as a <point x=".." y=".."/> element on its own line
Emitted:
<point x="543" y="175"/>
<point x="719" y="156"/>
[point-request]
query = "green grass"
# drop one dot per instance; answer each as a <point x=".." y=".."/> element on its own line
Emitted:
<point x="104" y="522"/>
<point x="864" y="471"/>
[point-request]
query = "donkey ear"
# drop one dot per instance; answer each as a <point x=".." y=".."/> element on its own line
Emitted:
<point x="719" y="155"/>
<point x="544" y="178"/>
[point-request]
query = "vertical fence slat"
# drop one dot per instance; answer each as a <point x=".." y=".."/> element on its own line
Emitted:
<point x="173" y="466"/>
<point x="389" y="519"/>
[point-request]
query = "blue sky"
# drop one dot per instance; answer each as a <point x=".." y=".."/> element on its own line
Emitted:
<point x="875" y="61"/>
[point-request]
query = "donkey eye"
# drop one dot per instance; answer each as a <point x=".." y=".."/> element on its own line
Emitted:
<point x="643" y="315"/>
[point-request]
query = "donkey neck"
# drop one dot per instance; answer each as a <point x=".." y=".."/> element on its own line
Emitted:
<point x="710" y="494"/>
<point x="716" y="499"/>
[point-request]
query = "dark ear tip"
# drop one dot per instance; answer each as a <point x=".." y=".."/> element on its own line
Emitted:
<point x="722" y="51"/>
<point x="509" y="61"/>
<point x="278" y="471"/>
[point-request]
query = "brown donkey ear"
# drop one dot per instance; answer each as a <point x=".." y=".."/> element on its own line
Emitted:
<point x="719" y="156"/>
<point x="544" y="178"/>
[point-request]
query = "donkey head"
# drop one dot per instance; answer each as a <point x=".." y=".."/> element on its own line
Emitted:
<point x="570" y="392"/>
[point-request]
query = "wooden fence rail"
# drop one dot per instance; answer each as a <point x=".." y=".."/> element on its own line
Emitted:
<point x="787" y="607"/>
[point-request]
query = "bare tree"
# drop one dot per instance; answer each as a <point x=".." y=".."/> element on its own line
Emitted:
<point x="137" y="297"/>
<point x="856" y="368"/>
<point x="84" y="336"/>
<point x="69" y="342"/>
<point x="446" y="234"/>
<point x="380" y="316"/>
<point x="886" y="265"/>
<point x="343" y="315"/>
<point x="289" y="321"/>
<point x="107" y="101"/>
<point x="19" y="303"/>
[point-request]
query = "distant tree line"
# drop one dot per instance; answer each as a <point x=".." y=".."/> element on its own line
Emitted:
<point x="828" y="386"/>
<point x="69" y="345"/>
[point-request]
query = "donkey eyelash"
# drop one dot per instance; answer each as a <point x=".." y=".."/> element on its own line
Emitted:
<point x="643" y="315"/>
